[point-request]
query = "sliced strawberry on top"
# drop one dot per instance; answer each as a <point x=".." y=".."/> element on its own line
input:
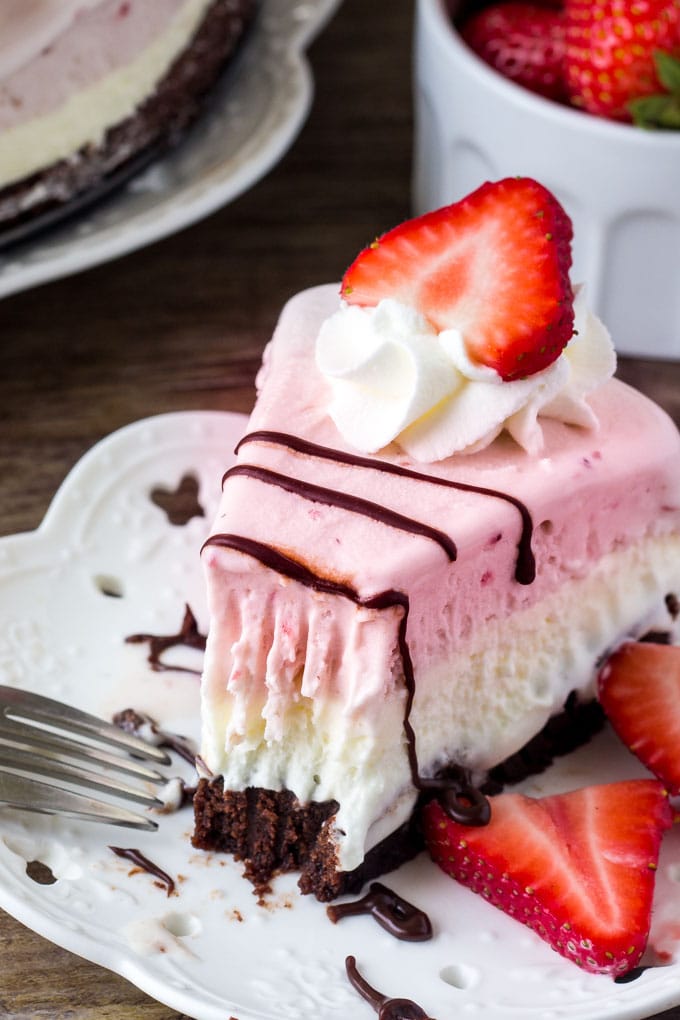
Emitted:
<point x="494" y="266"/>
<point x="577" y="868"/>
<point x="639" y="690"/>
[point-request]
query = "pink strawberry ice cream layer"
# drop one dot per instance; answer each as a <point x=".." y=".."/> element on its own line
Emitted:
<point x="305" y="690"/>
<point x="53" y="52"/>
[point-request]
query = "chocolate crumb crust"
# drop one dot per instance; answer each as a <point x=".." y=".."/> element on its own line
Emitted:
<point x="273" y="832"/>
<point x="157" y="125"/>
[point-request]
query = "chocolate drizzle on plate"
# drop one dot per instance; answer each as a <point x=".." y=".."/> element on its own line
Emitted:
<point x="140" y="725"/>
<point x="188" y="635"/>
<point x="459" y="798"/>
<point x="393" y="913"/>
<point x="462" y="801"/>
<point x="137" y="858"/>
<point x="632" y="975"/>
<point x="387" y="1009"/>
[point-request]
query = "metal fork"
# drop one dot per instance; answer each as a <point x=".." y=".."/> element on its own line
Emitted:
<point x="45" y="739"/>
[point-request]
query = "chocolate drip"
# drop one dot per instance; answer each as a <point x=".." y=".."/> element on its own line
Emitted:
<point x="138" y="725"/>
<point x="396" y="915"/>
<point x="387" y="1009"/>
<point x="525" y="566"/>
<point x="273" y="559"/>
<point x="143" y="862"/>
<point x="187" y="635"/>
<point x="345" y="501"/>
<point x="462" y="801"/>
<point x="632" y="975"/>
<point x="282" y="564"/>
<point x="188" y="794"/>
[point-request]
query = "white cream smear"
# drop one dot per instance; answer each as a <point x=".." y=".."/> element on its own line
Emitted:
<point x="393" y="378"/>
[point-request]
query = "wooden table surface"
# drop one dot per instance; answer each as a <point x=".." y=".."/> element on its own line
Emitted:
<point x="181" y="325"/>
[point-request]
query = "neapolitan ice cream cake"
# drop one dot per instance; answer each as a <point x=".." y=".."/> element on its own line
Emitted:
<point x="444" y="514"/>
<point x="88" y="86"/>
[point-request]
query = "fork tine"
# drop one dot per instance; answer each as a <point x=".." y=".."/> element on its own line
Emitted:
<point x="51" y="767"/>
<point x="27" y="706"/>
<point x="24" y="736"/>
<point x="45" y="798"/>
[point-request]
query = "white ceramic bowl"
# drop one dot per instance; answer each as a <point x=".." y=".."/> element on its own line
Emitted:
<point x="619" y="184"/>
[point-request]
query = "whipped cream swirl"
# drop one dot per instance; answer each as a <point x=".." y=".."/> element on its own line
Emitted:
<point x="395" y="379"/>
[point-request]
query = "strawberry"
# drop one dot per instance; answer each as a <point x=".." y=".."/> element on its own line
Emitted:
<point x="577" y="868"/>
<point x="611" y="50"/>
<point x="494" y="266"/>
<point x="639" y="690"/>
<point x="524" y="42"/>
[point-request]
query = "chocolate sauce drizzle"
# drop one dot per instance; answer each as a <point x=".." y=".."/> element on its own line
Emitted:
<point x="141" y="861"/>
<point x="344" y="501"/>
<point x="460" y="799"/>
<point x="188" y="635"/>
<point x="393" y="913"/>
<point x="136" y="723"/>
<point x="632" y="975"/>
<point x="387" y="1009"/>
<point x="525" y="567"/>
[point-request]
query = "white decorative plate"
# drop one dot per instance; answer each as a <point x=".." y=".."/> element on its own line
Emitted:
<point x="107" y="563"/>
<point x="260" y="108"/>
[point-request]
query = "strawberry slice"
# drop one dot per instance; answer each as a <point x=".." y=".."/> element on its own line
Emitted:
<point x="639" y="690"/>
<point x="494" y="266"/>
<point x="577" y="868"/>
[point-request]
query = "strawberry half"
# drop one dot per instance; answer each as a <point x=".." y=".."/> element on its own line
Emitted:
<point x="522" y="41"/>
<point x="494" y="266"/>
<point x="639" y="690"/>
<point x="610" y="51"/>
<point x="577" y="868"/>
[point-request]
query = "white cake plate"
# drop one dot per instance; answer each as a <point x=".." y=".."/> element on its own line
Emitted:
<point x="257" y="113"/>
<point x="107" y="563"/>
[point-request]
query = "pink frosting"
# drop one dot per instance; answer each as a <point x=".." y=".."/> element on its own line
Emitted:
<point x="52" y="49"/>
<point x="29" y="26"/>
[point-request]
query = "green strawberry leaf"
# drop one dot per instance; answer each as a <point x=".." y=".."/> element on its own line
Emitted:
<point x="668" y="71"/>
<point x="661" y="111"/>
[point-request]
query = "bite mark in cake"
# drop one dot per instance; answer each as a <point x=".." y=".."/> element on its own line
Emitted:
<point x="352" y="659"/>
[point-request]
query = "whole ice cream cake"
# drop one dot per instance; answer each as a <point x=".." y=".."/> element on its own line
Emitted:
<point x="91" y="89"/>
<point x="443" y="515"/>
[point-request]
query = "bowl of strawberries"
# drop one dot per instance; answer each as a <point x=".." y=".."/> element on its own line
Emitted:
<point x="583" y="95"/>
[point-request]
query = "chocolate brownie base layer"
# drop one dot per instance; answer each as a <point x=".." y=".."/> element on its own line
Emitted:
<point x="159" y="123"/>
<point x="272" y="832"/>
